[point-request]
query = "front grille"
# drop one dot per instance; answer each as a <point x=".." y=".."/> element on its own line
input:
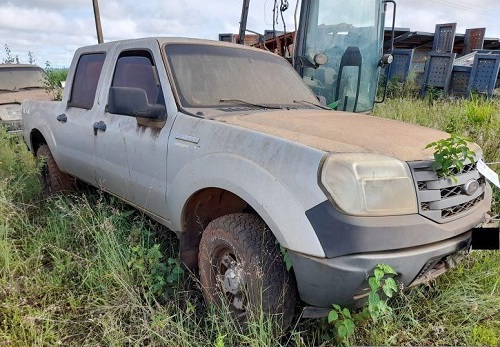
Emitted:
<point x="451" y="211"/>
<point x="451" y="191"/>
<point x="444" y="199"/>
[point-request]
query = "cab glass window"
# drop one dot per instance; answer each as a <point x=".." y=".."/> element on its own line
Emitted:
<point x="85" y="81"/>
<point x="136" y="70"/>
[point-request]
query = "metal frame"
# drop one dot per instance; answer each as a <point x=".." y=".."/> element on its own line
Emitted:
<point x="460" y="77"/>
<point x="474" y="39"/>
<point x="444" y="37"/>
<point x="484" y="73"/>
<point x="437" y="73"/>
<point x="400" y="66"/>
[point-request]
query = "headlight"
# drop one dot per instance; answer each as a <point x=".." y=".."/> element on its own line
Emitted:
<point x="369" y="184"/>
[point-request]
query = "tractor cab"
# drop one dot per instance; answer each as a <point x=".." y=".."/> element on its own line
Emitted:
<point x="340" y="49"/>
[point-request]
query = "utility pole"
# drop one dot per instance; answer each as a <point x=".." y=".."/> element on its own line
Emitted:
<point x="243" y="21"/>
<point x="97" y="17"/>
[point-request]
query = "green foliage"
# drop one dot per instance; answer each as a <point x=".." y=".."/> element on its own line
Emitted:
<point x="382" y="282"/>
<point x="31" y="58"/>
<point x="484" y="336"/>
<point x="219" y="341"/>
<point x="9" y="58"/>
<point x="397" y="89"/>
<point x="154" y="274"/>
<point x="53" y="80"/>
<point x="343" y="324"/>
<point x="148" y="265"/>
<point x="433" y="94"/>
<point x="478" y="110"/>
<point x="450" y="155"/>
<point x="286" y="257"/>
<point x="19" y="173"/>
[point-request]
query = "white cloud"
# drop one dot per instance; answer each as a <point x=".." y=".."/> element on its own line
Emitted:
<point x="36" y="19"/>
<point x="53" y="29"/>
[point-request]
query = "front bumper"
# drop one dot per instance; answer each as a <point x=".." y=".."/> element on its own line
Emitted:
<point x="413" y="245"/>
<point x="343" y="280"/>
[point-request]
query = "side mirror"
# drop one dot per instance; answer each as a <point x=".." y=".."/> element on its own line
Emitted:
<point x="386" y="60"/>
<point x="320" y="59"/>
<point x="133" y="102"/>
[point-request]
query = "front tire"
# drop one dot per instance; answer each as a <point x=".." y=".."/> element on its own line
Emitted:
<point x="241" y="267"/>
<point x="54" y="180"/>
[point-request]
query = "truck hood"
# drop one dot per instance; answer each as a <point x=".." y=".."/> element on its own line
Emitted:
<point x="10" y="102"/>
<point x="19" y="96"/>
<point x="342" y="132"/>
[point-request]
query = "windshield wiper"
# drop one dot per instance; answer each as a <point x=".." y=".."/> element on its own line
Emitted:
<point x="311" y="103"/>
<point x="251" y="104"/>
<point x="29" y="88"/>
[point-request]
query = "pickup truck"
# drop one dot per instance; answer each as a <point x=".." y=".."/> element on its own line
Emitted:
<point x="19" y="82"/>
<point x="228" y="148"/>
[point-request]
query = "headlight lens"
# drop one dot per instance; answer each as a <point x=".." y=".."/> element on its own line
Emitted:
<point x="369" y="184"/>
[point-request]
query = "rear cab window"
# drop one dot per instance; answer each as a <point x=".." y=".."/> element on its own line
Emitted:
<point x="87" y="73"/>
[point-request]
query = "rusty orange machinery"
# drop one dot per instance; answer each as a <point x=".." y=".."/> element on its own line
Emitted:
<point x="281" y="44"/>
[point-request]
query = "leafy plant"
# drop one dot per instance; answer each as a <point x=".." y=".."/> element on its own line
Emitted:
<point x="286" y="257"/>
<point x="344" y="323"/>
<point x="382" y="281"/>
<point x="10" y="59"/>
<point x="31" y="58"/>
<point x="450" y="155"/>
<point x="156" y="274"/>
<point x="432" y="94"/>
<point x="53" y="79"/>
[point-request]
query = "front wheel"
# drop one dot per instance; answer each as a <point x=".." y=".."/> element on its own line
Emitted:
<point x="241" y="267"/>
<point x="54" y="180"/>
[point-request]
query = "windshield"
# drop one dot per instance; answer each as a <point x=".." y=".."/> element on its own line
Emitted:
<point x="208" y="76"/>
<point x="14" y="78"/>
<point x="350" y="34"/>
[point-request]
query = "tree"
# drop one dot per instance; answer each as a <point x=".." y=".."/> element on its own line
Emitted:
<point x="9" y="58"/>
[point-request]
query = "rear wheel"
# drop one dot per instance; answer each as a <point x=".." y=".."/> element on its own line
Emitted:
<point x="241" y="267"/>
<point x="54" y="180"/>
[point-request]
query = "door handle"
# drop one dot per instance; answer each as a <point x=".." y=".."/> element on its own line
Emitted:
<point x="62" y="118"/>
<point x="99" y="126"/>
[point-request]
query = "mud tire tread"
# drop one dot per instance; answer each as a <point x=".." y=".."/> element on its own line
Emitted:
<point x="255" y="244"/>
<point x="55" y="181"/>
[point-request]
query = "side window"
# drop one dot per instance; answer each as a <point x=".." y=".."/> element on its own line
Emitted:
<point x="85" y="81"/>
<point x="136" y="69"/>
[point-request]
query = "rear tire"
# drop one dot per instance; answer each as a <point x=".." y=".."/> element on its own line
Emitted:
<point x="241" y="267"/>
<point x="54" y="180"/>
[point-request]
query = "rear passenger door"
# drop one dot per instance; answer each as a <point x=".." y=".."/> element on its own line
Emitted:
<point x="131" y="153"/>
<point x="73" y="124"/>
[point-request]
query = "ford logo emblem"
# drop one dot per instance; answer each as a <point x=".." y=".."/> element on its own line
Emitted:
<point x="470" y="187"/>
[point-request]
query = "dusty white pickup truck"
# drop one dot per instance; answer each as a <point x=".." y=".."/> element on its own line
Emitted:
<point x="227" y="147"/>
<point x="17" y="83"/>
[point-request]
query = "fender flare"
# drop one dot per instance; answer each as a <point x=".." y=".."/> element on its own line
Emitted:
<point x="275" y="204"/>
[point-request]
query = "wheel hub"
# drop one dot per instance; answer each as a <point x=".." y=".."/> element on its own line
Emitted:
<point x="233" y="281"/>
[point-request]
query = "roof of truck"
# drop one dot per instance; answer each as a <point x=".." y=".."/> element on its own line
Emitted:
<point x="182" y="40"/>
<point x="17" y="66"/>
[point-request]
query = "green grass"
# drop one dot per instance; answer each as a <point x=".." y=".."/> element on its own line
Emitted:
<point x="87" y="270"/>
<point x="475" y="118"/>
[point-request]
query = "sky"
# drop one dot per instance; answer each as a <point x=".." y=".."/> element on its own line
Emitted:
<point x="53" y="29"/>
